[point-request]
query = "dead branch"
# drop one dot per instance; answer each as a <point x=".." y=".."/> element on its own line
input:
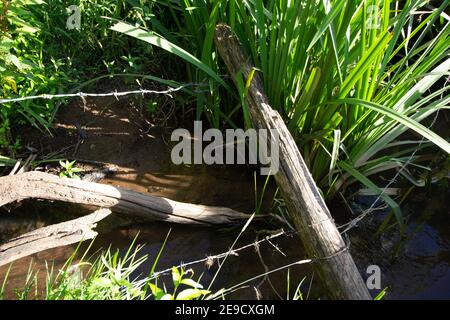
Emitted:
<point x="53" y="236"/>
<point x="40" y="185"/>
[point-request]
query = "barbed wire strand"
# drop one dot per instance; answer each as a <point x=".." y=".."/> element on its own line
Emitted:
<point x="354" y="222"/>
<point x="230" y="290"/>
<point x="108" y="94"/>
<point x="224" y="254"/>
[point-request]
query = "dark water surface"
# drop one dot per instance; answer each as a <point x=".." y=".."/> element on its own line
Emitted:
<point x="186" y="244"/>
<point x="417" y="267"/>
<point x="414" y="268"/>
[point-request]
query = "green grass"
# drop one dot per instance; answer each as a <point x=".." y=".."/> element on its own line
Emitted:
<point x="39" y="55"/>
<point x="110" y="276"/>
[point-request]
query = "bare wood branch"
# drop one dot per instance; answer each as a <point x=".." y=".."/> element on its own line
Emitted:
<point x="306" y="206"/>
<point x="40" y="185"/>
<point x="57" y="235"/>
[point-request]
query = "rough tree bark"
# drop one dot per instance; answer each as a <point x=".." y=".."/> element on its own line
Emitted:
<point x="307" y="208"/>
<point x="40" y="185"/>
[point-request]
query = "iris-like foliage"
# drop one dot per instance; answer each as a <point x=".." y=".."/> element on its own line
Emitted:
<point x="350" y="78"/>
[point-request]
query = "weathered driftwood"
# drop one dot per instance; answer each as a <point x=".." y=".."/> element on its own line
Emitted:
<point x="40" y="185"/>
<point x="307" y="208"/>
<point x="57" y="235"/>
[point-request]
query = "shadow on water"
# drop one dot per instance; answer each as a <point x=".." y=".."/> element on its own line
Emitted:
<point x="185" y="244"/>
<point x="418" y="266"/>
<point x="414" y="268"/>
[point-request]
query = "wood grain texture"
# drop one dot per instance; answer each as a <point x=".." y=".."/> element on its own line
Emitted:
<point x="306" y="206"/>
<point x="40" y="185"/>
<point x="53" y="236"/>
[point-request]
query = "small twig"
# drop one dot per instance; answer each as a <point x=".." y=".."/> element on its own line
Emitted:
<point x="27" y="165"/>
<point x="266" y="269"/>
<point x="16" y="167"/>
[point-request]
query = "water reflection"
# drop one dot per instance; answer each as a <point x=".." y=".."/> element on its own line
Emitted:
<point x="415" y="268"/>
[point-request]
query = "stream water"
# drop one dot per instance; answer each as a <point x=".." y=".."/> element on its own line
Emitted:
<point x="414" y="268"/>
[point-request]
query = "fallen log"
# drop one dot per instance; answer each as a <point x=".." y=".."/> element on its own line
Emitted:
<point x="306" y="206"/>
<point x="53" y="236"/>
<point x="40" y="185"/>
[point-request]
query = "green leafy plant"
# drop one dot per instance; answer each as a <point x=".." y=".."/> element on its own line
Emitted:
<point x="297" y="295"/>
<point x="352" y="79"/>
<point x="111" y="275"/>
<point x="68" y="170"/>
<point x="107" y="277"/>
<point x="381" y="295"/>
<point x="2" y="288"/>
<point x="39" y="55"/>
<point x="193" y="290"/>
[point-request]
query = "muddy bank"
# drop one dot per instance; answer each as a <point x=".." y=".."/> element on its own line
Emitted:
<point x="118" y="135"/>
<point x="122" y="136"/>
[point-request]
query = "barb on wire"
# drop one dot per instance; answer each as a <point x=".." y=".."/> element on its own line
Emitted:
<point x="116" y="94"/>
<point x="352" y="223"/>
<point x="255" y="244"/>
<point x="223" y="254"/>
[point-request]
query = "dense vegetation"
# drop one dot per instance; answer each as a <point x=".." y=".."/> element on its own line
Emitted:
<point x="349" y="77"/>
<point x="109" y="276"/>
<point x="38" y="55"/>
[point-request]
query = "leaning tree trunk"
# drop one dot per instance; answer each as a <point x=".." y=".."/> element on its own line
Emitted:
<point x="308" y="210"/>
